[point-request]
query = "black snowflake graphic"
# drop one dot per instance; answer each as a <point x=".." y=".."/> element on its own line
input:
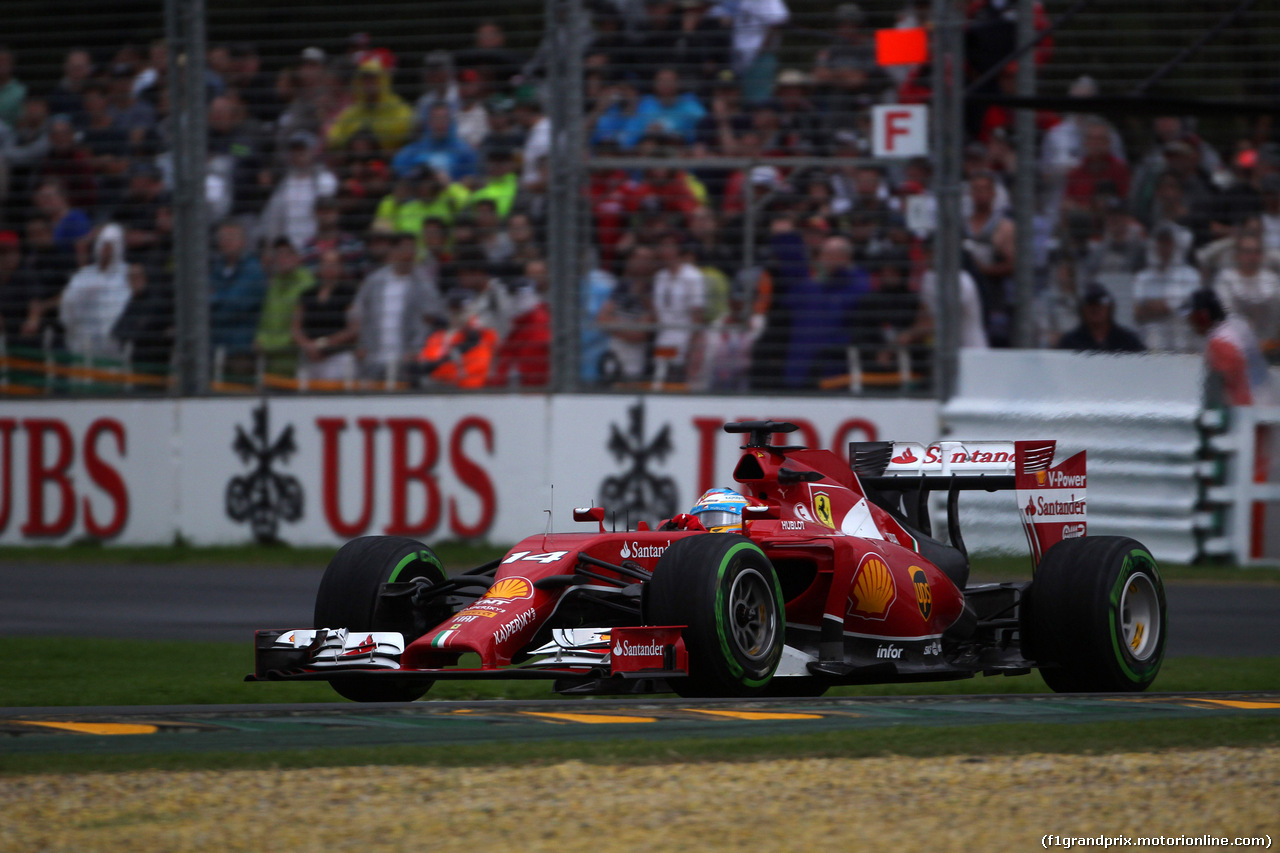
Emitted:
<point x="638" y="494"/>
<point x="262" y="497"/>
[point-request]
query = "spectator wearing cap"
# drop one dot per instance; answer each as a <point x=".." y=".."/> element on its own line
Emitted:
<point x="290" y="212"/>
<point x="417" y="195"/>
<point x="1232" y="354"/>
<point x="439" y="148"/>
<point x="1165" y="130"/>
<point x="501" y="182"/>
<point x="237" y="286"/>
<point x="718" y="132"/>
<point x="140" y="207"/>
<point x="1098" y="331"/>
<point x="667" y="111"/>
<point x="134" y="116"/>
<point x="1189" y="203"/>
<point x="393" y="311"/>
<point x="12" y="90"/>
<point x="1160" y="289"/>
<point x="289" y="280"/>
<point x="679" y="304"/>
<point x="1240" y="198"/>
<point x="374" y="108"/>
<point x="471" y="116"/>
<point x="1248" y="289"/>
<point x="802" y="127"/>
<point x="330" y="237"/>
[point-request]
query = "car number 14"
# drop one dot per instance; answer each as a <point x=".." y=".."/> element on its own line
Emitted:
<point x="527" y="556"/>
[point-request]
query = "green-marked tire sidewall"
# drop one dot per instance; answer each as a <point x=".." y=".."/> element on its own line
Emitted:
<point x="691" y="586"/>
<point x="723" y="586"/>
<point x="1139" y="673"/>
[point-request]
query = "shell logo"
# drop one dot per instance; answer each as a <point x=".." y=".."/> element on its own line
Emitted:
<point x="509" y="589"/>
<point x="1040" y="477"/>
<point x="873" y="589"/>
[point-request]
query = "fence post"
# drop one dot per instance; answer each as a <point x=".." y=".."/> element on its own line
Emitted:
<point x="185" y="36"/>
<point x="948" y="135"/>
<point x="563" y="98"/>
<point x="1024" y="191"/>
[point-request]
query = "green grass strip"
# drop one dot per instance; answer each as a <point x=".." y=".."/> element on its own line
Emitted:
<point x="986" y="740"/>
<point x="48" y="671"/>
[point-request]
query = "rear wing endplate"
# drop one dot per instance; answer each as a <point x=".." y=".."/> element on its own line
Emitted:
<point x="1050" y="499"/>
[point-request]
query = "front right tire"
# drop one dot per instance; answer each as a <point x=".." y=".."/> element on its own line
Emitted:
<point x="723" y="588"/>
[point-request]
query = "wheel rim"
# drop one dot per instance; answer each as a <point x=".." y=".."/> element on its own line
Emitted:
<point x="1140" y="616"/>
<point x="753" y="623"/>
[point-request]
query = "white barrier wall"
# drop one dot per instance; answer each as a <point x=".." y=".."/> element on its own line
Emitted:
<point x="320" y="470"/>
<point x="1136" y="415"/>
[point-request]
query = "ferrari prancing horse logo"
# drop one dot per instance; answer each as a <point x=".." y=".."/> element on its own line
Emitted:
<point x="822" y="508"/>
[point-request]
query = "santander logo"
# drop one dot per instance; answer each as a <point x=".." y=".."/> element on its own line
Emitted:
<point x="904" y="458"/>
<point x="632" y="650"/>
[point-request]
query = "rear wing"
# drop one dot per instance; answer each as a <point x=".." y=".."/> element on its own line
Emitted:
<point x="1050" y="499"/>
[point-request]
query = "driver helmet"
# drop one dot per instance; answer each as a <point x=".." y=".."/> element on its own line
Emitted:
<point x="720" y="510"/>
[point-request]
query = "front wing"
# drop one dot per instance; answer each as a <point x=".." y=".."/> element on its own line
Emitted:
<point x="319" y="654"/>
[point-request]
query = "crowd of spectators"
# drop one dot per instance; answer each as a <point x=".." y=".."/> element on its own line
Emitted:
<point x="376" y="221"/>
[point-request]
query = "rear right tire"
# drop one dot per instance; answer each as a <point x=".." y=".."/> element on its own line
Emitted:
<point x="1094" y="618"/>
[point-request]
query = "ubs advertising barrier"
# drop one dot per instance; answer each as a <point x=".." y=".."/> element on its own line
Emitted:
<point x="321" y="470"/>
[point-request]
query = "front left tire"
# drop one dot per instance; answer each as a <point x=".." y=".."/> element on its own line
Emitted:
<point x="348" y="597"/>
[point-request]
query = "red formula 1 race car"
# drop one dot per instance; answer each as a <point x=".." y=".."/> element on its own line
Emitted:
<point x="821" y="572"/>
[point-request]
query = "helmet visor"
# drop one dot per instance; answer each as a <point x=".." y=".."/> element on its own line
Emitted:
<point x="718" y="518"/>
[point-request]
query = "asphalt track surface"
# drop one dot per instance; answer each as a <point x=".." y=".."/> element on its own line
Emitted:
<point x="205" y="728"/>
<point x="217" y="603"/>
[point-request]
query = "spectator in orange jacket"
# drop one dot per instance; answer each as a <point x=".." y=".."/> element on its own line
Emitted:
<point x="461" y="353"/>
